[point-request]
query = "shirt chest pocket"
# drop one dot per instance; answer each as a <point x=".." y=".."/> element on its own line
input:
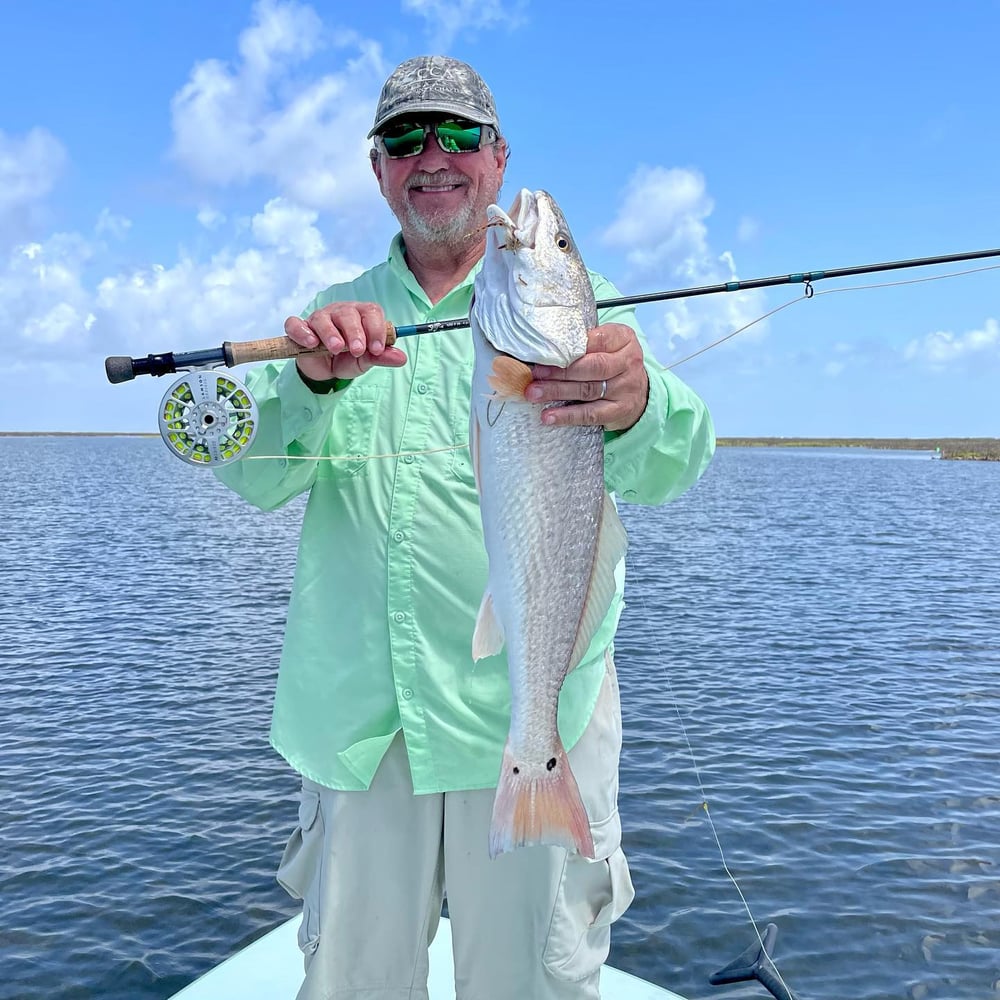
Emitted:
<point x="351" y="442"/>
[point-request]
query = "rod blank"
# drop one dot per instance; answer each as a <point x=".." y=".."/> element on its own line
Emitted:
<point x="122" y="369"/>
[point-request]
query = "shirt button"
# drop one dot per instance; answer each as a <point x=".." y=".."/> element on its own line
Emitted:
<point x="307" y="414"/>
<point x="399" y="616"/>
<point x="407" y="693"/>
<point x="609" y="459"/>
<point x="398" y="536"/>
<point x="408" y="459"/>
<point x="423" y="389"/>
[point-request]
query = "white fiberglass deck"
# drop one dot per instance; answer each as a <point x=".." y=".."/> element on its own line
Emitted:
<point x="271" y="969"/>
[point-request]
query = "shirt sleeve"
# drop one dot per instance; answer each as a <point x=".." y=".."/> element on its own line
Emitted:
<point x="670" y="446"/>
<point x="292" y="427"/>
<point x="292" y="424"/>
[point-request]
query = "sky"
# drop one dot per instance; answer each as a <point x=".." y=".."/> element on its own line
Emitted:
<point x="173" y="176"/>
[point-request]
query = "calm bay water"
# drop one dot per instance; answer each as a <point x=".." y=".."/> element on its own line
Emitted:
<point x="820" y="626"/>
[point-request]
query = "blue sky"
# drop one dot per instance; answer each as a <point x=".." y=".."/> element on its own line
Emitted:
<point x="176" y="175"/>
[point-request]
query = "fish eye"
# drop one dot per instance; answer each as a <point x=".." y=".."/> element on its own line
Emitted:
<point x="562" y="241"/>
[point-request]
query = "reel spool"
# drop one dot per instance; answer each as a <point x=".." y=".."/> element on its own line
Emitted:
<point x="208" y="418"/>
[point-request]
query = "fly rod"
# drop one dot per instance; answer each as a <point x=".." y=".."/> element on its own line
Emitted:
<point x="208" y="418"/>
<point x="121" y="369"/>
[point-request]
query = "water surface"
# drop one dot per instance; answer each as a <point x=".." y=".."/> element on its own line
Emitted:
<point x="819" y="626"/>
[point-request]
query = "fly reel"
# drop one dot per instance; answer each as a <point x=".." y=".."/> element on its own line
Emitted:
<point x="208" y="418"/>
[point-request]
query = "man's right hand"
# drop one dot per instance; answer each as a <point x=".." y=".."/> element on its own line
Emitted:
<point x="354" y="335"/>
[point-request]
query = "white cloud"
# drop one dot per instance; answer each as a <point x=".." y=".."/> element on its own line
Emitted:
<point x="210" y="218"/>
<point x="943" y="348"/>
<point x="238" y="294"/>
<point x="112" y="225"/>
<point x="50" y="301"/>
<point x="265" y="117"/>
<point x="446" y="19"/>
<point x="43" y="299"/>
<point x="29" y="167"/>
<point x="847" y="355"/>
<point x="289" y="228"/>
<point x="61" y="324"/>
<point x="661" y="219"/>
<point x="661" y="227"/>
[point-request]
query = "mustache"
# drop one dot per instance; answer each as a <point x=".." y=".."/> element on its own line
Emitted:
<point x="442" y="177"/>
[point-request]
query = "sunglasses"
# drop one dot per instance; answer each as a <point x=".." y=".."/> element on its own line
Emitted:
<point x="453" y="136"/>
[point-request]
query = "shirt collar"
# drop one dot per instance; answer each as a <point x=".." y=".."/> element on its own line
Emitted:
<point x="399" y="267"/>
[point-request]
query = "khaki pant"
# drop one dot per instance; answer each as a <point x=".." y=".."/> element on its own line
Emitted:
<point x="372" y="869"/>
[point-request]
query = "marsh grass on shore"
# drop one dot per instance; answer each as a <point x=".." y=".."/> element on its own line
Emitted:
<point x="976" y="449"/>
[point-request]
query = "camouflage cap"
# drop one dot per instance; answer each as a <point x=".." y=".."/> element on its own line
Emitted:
<point x="435" y="84"/>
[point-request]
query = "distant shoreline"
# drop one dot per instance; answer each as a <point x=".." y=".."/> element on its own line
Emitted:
<point x="78" y="434"/>
<point x="975" y="449"/>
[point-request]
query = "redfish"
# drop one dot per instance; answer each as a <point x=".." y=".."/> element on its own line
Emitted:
<point x="552" y="533"/>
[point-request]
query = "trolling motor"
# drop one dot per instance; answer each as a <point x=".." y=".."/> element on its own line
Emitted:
<point x="755" y="963"/>
<point x="207" y="418"/>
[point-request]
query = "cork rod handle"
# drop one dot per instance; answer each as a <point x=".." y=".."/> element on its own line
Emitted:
<point x="276" y="348"/>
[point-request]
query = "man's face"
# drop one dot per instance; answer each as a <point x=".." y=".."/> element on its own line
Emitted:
<point x="441" y="197"/>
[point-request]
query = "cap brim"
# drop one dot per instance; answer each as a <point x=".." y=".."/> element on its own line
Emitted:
<point x="434" y="107"/>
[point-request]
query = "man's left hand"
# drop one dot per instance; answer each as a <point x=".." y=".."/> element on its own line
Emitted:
<point x="607" y="386"/>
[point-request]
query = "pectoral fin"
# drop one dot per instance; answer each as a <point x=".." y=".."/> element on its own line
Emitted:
<point x="487" y="640"/>
<point x="510" y="377"/>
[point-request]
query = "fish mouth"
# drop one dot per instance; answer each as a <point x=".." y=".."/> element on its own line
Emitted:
<point x="516" y="230"/>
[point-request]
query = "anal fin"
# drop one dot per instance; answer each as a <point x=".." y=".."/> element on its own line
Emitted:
<point x="488" y="637"/>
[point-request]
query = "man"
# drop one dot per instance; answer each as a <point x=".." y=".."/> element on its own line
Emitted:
<point x="397" y="734"/>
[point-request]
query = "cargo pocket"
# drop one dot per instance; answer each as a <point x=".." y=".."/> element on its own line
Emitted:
<point x="300" y="871"/>
<point x="592" y="896"/>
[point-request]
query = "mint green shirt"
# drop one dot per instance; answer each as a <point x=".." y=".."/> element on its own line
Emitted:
<point x="391" y="565"/>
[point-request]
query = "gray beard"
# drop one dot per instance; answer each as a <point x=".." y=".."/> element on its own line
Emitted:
<point x="441" y="232"/>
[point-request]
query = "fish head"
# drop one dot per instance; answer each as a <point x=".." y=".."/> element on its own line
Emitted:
<point x="533" y="296"/>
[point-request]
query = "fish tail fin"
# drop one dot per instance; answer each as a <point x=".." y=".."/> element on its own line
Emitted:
<point x="531" y="810"/>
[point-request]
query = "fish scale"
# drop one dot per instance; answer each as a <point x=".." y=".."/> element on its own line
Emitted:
<point x="539" y="604"/>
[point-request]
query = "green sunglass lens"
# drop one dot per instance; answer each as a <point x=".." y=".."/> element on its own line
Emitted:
<point x="453" y="136"/>
<point x="404" y="140"/>
<point x="459" y="137"/>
